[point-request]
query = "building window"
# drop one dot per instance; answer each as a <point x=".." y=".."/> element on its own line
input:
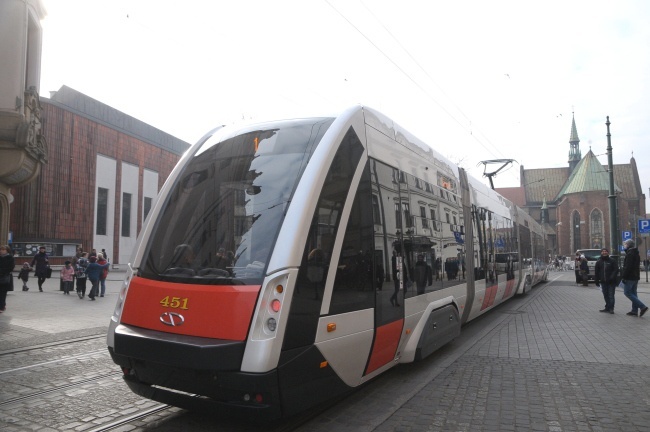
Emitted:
<point x="575" y="229"/>
<point x="146" y="207"/>
<point x="376" y="215"/>
<point x="407" y="216"/>
<point x="102" y="210"/>
<point x="398" y="216"/>
<point x="126" y="215"/>
<point x="596" y="227"/>
<point x="423" y="216"/>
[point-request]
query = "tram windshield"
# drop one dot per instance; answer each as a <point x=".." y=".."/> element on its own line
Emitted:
<point x="225" y="210"/>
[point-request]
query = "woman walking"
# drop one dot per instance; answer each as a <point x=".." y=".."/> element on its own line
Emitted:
<point x="41" y="259"/>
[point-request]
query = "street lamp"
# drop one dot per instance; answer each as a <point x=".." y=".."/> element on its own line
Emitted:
<point x="613" y="225"/>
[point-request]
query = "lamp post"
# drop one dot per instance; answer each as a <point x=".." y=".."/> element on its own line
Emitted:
<point x="613" y="222"/>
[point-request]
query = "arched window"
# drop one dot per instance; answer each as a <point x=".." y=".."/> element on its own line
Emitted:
<point x="575" y="230"/>
<point x="596" y="229"/>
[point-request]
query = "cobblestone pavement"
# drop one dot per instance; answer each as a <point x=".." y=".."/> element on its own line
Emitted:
<point x="545" y="362"/>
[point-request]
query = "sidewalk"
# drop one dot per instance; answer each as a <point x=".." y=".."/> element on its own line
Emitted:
<point x="547" y="361"/>
<point x="34" y="317"/>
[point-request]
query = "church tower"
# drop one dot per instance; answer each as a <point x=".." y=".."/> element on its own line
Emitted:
<point x="574" y="141"/>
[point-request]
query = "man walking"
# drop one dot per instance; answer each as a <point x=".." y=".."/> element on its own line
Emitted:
<point x="605" y="277"/>
<point x="630" y="277"/>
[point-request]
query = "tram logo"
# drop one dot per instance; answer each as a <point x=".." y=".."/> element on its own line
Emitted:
<point x="172" y="319"/>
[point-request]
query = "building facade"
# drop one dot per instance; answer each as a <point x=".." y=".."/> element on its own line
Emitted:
<point x="104" y="171"/>
<point x="573" y="202"/>
<point x="22" y="141"/>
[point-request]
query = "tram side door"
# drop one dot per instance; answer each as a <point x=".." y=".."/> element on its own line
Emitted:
<point x="389" y="265"/>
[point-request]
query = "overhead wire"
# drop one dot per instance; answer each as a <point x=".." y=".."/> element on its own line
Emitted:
<point x="415" y="82"/>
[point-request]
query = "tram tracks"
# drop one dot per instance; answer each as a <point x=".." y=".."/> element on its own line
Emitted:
<point x="57" y="389"/>
<point x="50" y="345"/>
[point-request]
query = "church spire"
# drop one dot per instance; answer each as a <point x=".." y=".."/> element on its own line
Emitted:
<point x="574" y="142"/>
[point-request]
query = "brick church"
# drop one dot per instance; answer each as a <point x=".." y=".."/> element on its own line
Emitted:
<point x="572" y="202"/>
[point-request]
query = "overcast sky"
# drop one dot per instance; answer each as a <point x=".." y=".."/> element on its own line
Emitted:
<point x="477" y="80"/>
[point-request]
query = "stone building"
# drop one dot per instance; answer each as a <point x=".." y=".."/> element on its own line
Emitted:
<point x="22" y="143"/>
<point x="104" y="170"/>
<point x="573" y="201"/>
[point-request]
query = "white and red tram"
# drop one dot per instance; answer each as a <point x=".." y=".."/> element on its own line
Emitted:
<point x="287" y="262"/>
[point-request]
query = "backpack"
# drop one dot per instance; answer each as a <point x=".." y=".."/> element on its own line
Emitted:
<point x="80" y="268"/>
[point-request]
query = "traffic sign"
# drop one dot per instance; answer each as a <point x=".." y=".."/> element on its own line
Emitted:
<point x="627" y="235"/>
<point x="644" y="226"/>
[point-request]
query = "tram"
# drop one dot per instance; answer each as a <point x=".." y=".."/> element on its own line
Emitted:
<point x="285" y="263"/>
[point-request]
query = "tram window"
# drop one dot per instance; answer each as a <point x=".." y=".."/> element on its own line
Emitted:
<point x="229" y="197"/>
<point x="319" y="247"/>
<point x="357" y="273"/>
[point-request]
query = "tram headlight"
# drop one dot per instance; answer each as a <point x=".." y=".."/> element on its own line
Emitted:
<point x="271" y="324"/>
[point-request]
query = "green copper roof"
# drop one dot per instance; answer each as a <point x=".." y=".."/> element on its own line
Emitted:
<point x="588" y="175"/>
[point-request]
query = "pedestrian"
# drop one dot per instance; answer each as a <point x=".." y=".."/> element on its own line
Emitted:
<point x="101" y="260"/>
<point x="584" y="270"/>
<point x="6" y="276"/>
<point x="93" y="272"/>
<point x="422" y="274"/>
<point x="630" y="277"/>
<point x="76" y="257"/>
<point x="105" y="255"/>
<point x="576" y="268"/>
<point x="41" y="259"/>
<point x="24" y="275"/>
<point x="67" y="276"/>
<point x="605" y="276"/>
<point x="80" y="274"/>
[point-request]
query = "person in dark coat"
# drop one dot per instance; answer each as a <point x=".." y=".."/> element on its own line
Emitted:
<point x="605" y="276"/>
<point x="41" y="262"/>
<point x="584" y="270"/>
<point x="576" y="268"/>
<point x="6" y="276"/>
<point x="422" y="274"/>
<point x="630" y="276"/>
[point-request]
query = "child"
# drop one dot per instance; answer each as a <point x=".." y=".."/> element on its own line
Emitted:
<point x="67" y="276"/>
<point x="24" y="275"/>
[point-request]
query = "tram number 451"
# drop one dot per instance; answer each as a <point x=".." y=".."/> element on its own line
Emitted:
<point x="174" y="302"/>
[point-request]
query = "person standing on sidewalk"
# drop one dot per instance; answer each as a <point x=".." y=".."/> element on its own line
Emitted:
<point x="41" y="259"/>
<point x="576" y="268"/>
<point x="630" y="277"/>
<point x="6" y="276"/>
<point x="101" y="260"/>
<point x="24" y="275"/>
<point x="93" y="272"/>
<point x="605" y="277"/>
<point x="67" y="276"/>
<point x="80" y="274"/>
<point x="584" y="270"/>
